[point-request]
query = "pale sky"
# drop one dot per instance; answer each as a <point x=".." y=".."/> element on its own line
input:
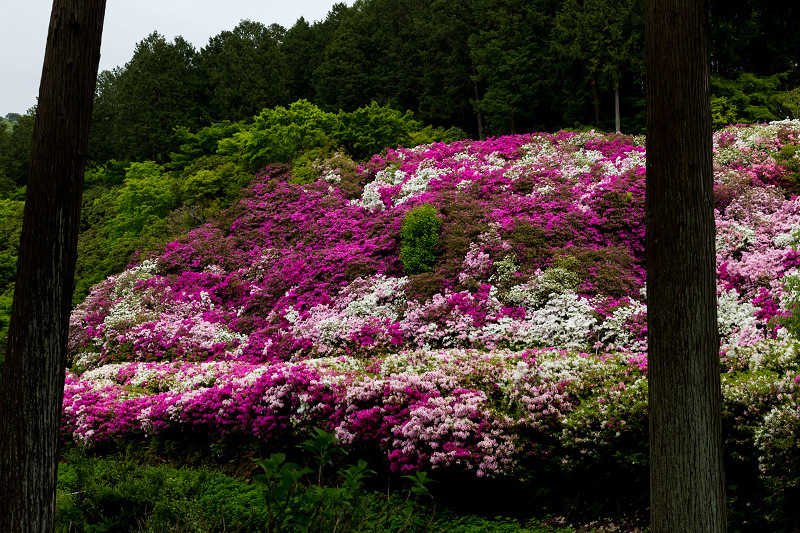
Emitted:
<point x="23" y="32"/>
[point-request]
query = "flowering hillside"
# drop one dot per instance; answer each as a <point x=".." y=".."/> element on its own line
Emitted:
<point x="523" y="339"/>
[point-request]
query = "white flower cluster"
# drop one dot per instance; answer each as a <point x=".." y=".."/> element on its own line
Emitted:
<point x="614" y="335"/>
<point x="587" y="429"/>
<point x="127" y="303"/>
<point x="733" y="237"/>
<point x="362" y="302"/>
<point x="733" y="315"/>
<point x="371" y="196"/>
<point x="565" y="321"/>
<point x="377" y="296"/>
<point x="504" y="269"/>
<point x="534" y="293"/>
<point x="416" y="184"/>
<point x="788" y="239"/>
<point x="777" y="355"/>
<point x="780" y="424"/>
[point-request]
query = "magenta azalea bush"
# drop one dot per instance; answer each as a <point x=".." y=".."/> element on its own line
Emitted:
<point x="525" y="341"/>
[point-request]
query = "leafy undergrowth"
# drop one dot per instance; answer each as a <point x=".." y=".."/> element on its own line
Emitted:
<point x="122" y="495"/>
<point x="474" y="309"/>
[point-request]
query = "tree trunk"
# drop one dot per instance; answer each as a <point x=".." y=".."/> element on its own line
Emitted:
<point x="32" y="387"/>
<point x="617" y="121"/>
<point x="596" y="101"/>
<point x="687" y="489"/>
<point x="477" y="105"/>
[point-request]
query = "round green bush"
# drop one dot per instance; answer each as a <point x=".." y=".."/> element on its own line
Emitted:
<point x="420" y="235"/>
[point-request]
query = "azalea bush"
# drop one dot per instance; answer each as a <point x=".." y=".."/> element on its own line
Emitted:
<point x="520" y="347"/>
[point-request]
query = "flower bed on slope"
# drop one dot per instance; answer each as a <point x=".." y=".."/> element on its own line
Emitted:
<point x="525" y="340"/>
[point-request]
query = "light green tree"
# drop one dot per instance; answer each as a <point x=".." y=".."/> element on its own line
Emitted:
<point x="280" y="134"/>
<point x="148" y="193"/>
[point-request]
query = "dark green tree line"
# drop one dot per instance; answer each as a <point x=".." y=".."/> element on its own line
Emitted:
<point x="489" y="67"/>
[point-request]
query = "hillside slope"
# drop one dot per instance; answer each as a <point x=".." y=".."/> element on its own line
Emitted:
<point x="520" y="344"/>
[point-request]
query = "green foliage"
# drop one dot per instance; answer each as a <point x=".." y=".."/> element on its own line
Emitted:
<point x="749" y="98"/>
<point x="6" y="183"/>
<point x="789" y="157"/>
<point x="322" y="449"/>
<point x="296" y="504"/>
<point x="156" y="91"/>
<point x="203" y="143"/>
<point x="98" y="209"/>
<point x="420" y="236"/>
<point x="305" y="135"/>
<point x="112" y="172"/>
<point x="243" y="70"/>
<point x="723" y="112"/>
<point x="15" y="151"/>
<point x="280" y="134"/>
<point x="346" y="73"/>
<point x="99" y="495"/>
<point x="147" y="194"/>
<point x="429" y="134"/>
<point x="792" y="320"/>
<point x="598" y="47"/>
<point x="370" y="129"/>
<point x="452" y="523"/>
<point x="6" y="300"/>
<point x="789" y="103"/>
<point x="210" y="183"/>
<point x="304" y="167"/>
<point x="8" y="269"/>
<point x="121" y="495"/>
<point x="11" y="212"/>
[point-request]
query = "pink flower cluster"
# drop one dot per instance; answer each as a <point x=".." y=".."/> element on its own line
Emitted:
<point x="293" y="307"/>
<point x="421" y="408"/>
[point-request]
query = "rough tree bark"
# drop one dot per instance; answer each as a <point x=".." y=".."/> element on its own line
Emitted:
<point x="687" y="490"/>
<point x="32" y="387"/>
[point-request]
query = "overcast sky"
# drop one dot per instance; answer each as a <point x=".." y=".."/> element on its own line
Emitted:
<point x="23" y="32"/>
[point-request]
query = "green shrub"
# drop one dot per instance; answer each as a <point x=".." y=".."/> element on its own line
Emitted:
<point x="148" y="192"/>
<point x="420" y="236"/>
<point x="281" y="134"/>
<point x="106" y="495"/>
<point x="305" y="166"/>
<point x="341" y="503"/>
<point x="370" y="129"/>
<point x="789" y="157"/>
<point x="723" y="112"/>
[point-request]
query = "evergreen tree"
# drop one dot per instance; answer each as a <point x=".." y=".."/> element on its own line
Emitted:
<point x="508" y="50"/>
<point x="32" y="387"/>
<point x="687" y="482"/>
<point x="600" y="41"/>
<point x="243" y="71"/>
<point x="157" y="90"/>
<point x="345" y="80"/>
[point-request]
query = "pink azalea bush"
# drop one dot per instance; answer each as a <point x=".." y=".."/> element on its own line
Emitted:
<point x="527" y="338"/>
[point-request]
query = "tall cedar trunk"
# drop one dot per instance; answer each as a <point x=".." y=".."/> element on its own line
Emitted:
<point x="478" y="113"/>
<point x="617" y="120"/>
<point x="32" y="388"/>
<point x="687" y="490"/>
